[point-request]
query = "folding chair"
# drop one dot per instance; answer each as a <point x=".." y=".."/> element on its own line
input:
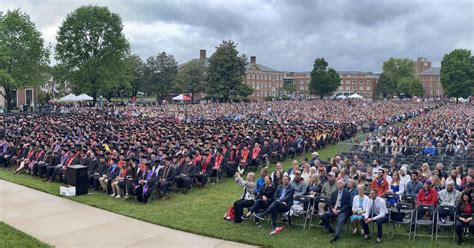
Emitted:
<point x="314" y="210"/>
<point x="420" y="222"/>
<point x="390" y="197"/>
<point x="405" y="209"/>
<point x="409" y="199"/>
<point x="451" y="210"/>
<point x="306" y="201"/>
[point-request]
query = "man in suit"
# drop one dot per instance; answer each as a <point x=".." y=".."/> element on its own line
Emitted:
<point x="283" y="201"/>
<point x="339" y="207"/>
<point x="377" y="212"/>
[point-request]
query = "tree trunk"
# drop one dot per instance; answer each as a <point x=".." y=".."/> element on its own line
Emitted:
<point x="8" y="98"/>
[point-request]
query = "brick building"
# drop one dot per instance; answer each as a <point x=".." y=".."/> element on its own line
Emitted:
<point x="265" y="81"/>
<point x="359" y="82"/>
<point x="26" y="96"/>
<point x="300" y="80"/>
<point x="429" y="77"/>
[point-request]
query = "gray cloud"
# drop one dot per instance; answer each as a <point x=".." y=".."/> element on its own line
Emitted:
<point x="285" y="35"/>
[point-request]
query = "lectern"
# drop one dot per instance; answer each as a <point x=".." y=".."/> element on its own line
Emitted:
<point x="76" y="175"/>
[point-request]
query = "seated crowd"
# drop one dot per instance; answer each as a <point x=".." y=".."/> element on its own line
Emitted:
<point x="364" y="187"/>
<point x="147" y="152"/>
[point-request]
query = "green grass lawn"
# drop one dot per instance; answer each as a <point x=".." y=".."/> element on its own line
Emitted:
<point x="202" y="210"/>
<point x="10" y="237"/>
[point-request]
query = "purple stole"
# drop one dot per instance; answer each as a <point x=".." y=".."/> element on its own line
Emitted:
<point x="148" y="177"/>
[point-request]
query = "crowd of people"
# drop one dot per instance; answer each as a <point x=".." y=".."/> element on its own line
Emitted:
<point x="368" y="190"/>
<point x="146" y="152"/>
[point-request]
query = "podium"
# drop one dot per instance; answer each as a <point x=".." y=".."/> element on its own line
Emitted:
<point x="76" y="175"/>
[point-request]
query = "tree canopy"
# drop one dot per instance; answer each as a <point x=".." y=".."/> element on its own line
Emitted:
<point x="324" y="80"/>
<point x="224" y="80"/>
<point x="23" y="57"/>
<point x="399" y="78"/>
<point x="92" y="48"/>
<point x="191" y="78"/>
<point x="457" y="73"/>
<point x="160" y="73"/>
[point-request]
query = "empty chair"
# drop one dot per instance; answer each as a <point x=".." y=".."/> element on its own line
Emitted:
<point x="423" y="211"/>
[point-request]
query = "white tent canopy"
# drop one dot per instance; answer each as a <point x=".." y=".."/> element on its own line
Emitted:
<point x="69" y="98"/>
<point x="341" y="97"/>
<point x="355" y="96"/>
<point x="84" y="97"/>
<point x="181" y="97"/>
<point x="73" y="98"/>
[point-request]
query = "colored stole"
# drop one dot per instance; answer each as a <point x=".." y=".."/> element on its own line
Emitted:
<point x="217" y="163"/>
<point x="148" y="178"/>
<point x="255" y="152"/>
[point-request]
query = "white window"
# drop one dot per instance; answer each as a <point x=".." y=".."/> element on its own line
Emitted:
<point x="348" y="81"/>
<point x="348" y="87"/>
<point x="253" y="76"/>
<point x="339" y="88"/>
<point x="248" y="76"/>
<point x="301" y="83"/>
<point x="361" y="88"/>
<point x="367" y="87"/>
<point x="367" y="82"/>
<point x="354" y="87"/>
<point x="258" y="76"/>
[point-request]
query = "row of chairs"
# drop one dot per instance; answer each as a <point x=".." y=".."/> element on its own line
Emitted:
<point x="403" y="213"/>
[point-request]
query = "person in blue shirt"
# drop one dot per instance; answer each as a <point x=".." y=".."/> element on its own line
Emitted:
<point x="429" y="150"/>
<point x="414" y="186"/>
<point x="261" y="180"/>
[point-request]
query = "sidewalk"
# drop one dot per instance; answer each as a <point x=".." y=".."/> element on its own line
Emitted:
<point x="64" y="223"/>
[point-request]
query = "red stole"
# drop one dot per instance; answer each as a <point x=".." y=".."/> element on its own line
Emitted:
<point x="71" y="159"/>
<point x="245" y="155"/>
<point x="217" y="163"/>
<point x="255" y="152"/>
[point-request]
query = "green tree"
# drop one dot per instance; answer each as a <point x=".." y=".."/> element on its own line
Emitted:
<point x="457" y="73"/>
<point x="385" y="86"/>
<point x="91" y="48"/>
<point x="191" y="78"/>
<point x="324" y="80"/>
<point x="137" y="68"/>
<point x="23" y="57"/>
<point x="226" y="72"/>
<point x="288" y="89"/>
<point x="410" y="86"/>
<point x="160" y="74"/>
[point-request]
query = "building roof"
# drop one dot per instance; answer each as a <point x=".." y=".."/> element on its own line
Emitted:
<point x="434" y="71"/>
<point x="260" y="67"/>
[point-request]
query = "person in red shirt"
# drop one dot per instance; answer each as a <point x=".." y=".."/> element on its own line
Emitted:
<point x="426" y="196"/>
<point x="380" y="184"/>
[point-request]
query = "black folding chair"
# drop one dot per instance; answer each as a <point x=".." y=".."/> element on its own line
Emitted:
<point x="402" y="215"/>
<point x="314" y="210"/>
<point x="430" y="209"/>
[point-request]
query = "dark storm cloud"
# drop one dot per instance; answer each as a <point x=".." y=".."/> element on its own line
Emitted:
<point x="285" y="35"/>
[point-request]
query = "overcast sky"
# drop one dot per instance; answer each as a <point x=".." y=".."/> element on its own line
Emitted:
<point x="285" y="35"/>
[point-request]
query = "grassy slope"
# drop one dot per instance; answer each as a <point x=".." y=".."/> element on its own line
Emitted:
<point x="10" y="237"/>
<point x="202" y="210"/>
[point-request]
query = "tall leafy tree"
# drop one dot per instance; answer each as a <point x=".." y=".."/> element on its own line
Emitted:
<point x="137" y="68"/>
<point x="385" y="86"/>
<point x="160" y="74"/>
<point x="91" y="47"/>
<point x="23" y="57"/>
<point x="191" y="78"/>
<point x="226" y="72"/>
<point x="457" y="73"/>
<point x="396" y="69"/>
<point x="324" y="80"/>
<point x="410" y="86"/>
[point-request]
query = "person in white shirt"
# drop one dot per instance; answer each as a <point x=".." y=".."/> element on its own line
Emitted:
<point x="376" y="212"/>
<point x="358" y="208"/>
<point x="404" y="177"/>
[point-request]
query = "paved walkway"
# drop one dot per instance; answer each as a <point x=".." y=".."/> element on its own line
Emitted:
<point x="65" y="223"/>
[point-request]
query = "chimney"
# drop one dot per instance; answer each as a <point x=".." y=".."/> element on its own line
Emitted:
<point x="253" y="59"/>
<point x="202" y="54"/>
